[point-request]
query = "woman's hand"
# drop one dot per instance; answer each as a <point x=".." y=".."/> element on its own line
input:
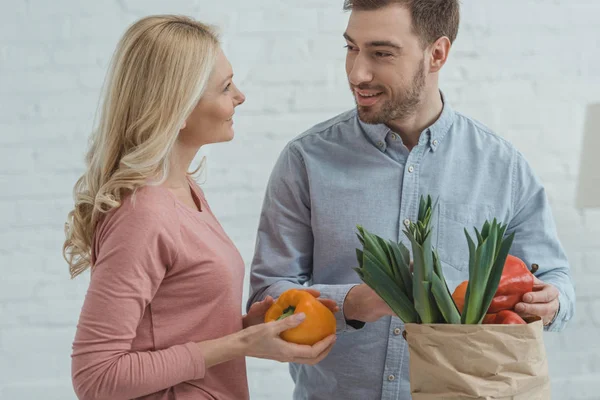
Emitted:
<point x="263" y="341"/>
<point x="256" y="313"/>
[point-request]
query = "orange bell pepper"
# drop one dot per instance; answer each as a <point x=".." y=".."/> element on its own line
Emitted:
<point x="459" y="298"/>
<point x="319" y="323"/>
<point x="459" y="295"/>
<point x="516" y="280"/>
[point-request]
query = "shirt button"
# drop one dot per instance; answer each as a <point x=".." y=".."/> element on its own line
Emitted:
<point x="435" y="142"/>
<point x="380" y="144"/>
<point x="407" y="222"/>
<point x="391" y="378"/>
<point x="411" y="169"/>
<point x="393" y="136"/>
<point x="397" y="331"/>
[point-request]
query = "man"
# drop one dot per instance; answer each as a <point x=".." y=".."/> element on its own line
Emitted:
<point x="369" y="166"/>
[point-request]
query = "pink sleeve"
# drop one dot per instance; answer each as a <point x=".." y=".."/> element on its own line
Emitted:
<point x="135" y="248"/>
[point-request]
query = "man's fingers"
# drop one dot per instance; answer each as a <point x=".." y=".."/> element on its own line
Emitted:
<point x="546" y="295"/>
<point x="331" y="304"/>
<point x="313" y="292"/>
<point x="536" y="309"/>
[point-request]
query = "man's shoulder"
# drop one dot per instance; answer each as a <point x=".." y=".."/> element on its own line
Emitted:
<point x="480" y="133"/>
<point x="327" y="127"/>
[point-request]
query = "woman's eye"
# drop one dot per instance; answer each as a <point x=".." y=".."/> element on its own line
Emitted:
<point x="227" y="87"/>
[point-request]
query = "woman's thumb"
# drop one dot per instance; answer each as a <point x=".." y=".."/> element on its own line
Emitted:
<point x="265" y="304"/>
<point x="291" y="322"/>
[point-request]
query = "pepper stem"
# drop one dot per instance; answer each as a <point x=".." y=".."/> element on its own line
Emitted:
<point x="534" y="268"/>
<point x="288" y="312"/>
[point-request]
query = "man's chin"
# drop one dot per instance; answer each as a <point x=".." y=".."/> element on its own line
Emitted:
<point x="369" y="116"/>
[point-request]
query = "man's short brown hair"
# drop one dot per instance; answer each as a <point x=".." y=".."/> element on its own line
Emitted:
<point x="431" y="19"/>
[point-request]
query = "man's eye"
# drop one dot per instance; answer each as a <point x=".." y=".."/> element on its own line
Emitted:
<point x="382" y="55"/>
<point x="350" y="48"/>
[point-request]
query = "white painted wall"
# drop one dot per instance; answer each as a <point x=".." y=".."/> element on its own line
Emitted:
<point x="526" y="68"/>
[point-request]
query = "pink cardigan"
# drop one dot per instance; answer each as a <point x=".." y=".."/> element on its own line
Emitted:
<point x="165" y="276"/>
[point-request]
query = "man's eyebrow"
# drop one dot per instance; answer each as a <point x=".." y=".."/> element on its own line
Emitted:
<point x="348" y="38"/>
<point x="384" y="43"/>
<point x="376" y="43"/>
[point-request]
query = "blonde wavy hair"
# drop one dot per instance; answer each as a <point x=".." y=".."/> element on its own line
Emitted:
<point x="158" y="74"/>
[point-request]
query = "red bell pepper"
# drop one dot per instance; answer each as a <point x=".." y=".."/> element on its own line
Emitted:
<point x="509" y="317"/>
<point x="516" y="280"/>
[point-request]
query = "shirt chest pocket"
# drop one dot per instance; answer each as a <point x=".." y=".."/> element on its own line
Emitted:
<point x="454" y="218"/>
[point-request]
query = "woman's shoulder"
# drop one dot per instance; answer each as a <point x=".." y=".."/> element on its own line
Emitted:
<point x="149" y="200"/>
<point x="148" y="209"/>
<point x="146" y="218"/>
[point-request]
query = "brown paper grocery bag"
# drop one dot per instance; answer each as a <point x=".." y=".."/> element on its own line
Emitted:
<point x="499" y="362"/>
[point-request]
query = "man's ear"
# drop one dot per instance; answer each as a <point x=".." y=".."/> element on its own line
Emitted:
<point x="439" y="54"/>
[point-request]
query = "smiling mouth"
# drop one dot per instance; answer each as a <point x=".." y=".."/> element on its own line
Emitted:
<point x="367" y="95"/>
<point x="367" y="98"/>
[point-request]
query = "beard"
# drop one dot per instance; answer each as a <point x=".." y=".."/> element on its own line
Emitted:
<point x="400" y="106"/>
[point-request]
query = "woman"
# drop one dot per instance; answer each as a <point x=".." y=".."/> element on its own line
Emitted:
<point x="162" y="316"/>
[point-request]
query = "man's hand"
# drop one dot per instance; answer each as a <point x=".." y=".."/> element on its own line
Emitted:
<point x="331" y="304"/>
<point x="542" y="302"/>
<point x="363" y="304"/>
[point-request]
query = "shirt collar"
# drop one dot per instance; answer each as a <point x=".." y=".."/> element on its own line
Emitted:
<point x="432" y="135"/>
<point x="440" y="127"/>
<point x="375" y="132"/>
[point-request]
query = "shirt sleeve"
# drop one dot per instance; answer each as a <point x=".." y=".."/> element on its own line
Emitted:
<point x="283" y="257"/>
<point x="536" y="239"/>
<point x="134" y="249"/>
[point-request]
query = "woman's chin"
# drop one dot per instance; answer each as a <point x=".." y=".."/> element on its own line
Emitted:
<point x="228" y="132"/>
<point x="227" y="137"/>
<point x="230" y="135"/>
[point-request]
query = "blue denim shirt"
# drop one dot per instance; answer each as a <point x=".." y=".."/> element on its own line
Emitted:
<point x="343" y="172"/>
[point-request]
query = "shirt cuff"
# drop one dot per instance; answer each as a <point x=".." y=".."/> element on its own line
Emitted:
<point x="338" y="293"/>
<point x="556" y="324"/>
<point x="198" y="365"/>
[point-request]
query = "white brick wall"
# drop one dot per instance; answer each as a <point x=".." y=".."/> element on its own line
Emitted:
<point x="527" y="68"/>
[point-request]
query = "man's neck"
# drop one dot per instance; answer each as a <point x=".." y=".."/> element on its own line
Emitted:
<point x="410" y="128"/>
